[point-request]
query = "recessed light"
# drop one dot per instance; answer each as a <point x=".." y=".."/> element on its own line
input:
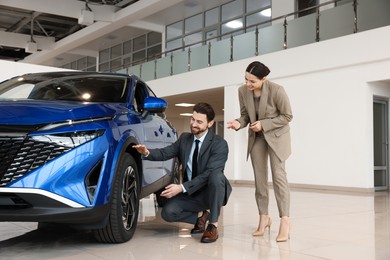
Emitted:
<point x="184" y="105"/>
<point x="186" y="114"/>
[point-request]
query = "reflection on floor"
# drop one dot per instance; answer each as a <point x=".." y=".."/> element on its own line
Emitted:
<point x="325" y="225"/>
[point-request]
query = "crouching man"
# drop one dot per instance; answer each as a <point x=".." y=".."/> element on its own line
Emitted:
<point x="205" y="189"/>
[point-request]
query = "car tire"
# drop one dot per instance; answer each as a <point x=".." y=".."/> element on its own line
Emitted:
<point x="124" y="203"/>
<point x="162" y="201"/>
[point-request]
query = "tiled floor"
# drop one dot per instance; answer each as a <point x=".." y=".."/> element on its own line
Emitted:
<point x="325" y="225"/>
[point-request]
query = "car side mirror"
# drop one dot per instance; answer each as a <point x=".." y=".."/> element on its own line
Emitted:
<point x="154" y="105"/>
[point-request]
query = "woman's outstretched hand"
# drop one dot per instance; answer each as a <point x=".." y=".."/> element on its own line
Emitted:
<point x="234" y="124"/>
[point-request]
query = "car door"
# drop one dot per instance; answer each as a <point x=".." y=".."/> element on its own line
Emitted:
<point x="154" y="134"/>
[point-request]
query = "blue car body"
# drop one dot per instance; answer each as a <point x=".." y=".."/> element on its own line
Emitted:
<point x="63" y="136"/>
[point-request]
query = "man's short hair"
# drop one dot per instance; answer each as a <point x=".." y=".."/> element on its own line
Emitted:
<point x="206" y="109"/>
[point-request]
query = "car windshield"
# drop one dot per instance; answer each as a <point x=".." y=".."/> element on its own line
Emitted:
<point x="81" y="88"/>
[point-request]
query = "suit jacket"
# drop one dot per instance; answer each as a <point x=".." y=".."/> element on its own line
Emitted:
<point x="274" y="114"/>
<point x="212" y="157"/>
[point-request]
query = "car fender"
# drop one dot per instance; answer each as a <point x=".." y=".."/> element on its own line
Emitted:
<point x="127" y="139"/>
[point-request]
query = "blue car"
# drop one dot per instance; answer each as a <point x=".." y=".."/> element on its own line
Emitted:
<point x="66" y="153"/>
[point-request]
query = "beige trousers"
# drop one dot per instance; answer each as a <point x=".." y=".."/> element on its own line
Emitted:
<point x="259" y="157"/>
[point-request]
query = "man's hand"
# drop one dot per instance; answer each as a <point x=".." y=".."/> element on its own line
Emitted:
<point x="141" y="149"/>
<point x="172" y="190"/>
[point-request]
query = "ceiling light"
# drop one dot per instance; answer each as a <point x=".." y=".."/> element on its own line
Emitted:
<point x="86" y="96"/>
<point x="31" y="47"/>
<point x="86" y="17"/>
<point x="234" y="24"/>
<point x="266" y="12"/>
<point x="184" y="105"/>
<point x="186" y="114"/>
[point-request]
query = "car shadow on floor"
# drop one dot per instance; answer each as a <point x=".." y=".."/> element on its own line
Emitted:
<point x="58" y="241"/>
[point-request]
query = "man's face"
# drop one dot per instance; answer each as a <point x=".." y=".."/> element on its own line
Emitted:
<point x="199" y="124"/>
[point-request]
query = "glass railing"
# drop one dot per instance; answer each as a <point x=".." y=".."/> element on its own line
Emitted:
<point x="329" y="20"/>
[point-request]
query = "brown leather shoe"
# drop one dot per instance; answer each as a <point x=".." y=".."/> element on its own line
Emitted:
<point x="210" y="235"/>
<point x="200" y="224"/>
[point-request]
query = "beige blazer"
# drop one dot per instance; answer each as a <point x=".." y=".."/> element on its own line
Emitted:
<point x="274" y="114"/>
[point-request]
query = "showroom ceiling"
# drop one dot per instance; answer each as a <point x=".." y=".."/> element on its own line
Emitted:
<point x="38" y="23"/>
<point x="56" y="32"/>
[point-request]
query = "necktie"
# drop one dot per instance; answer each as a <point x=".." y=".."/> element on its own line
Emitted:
<point x="195" y="160"/>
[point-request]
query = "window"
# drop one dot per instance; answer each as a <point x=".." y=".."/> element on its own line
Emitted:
<point x="217" y="23"/>
<point x="127" y="61"/>
<point x="104" y="67"/>
<point x="257" y="18"/>
<point x="154" y="52"/>
<point x="91" y="62"/>
<point x="116" y="64"/>
<point x="116" y="51"/>
<point x="73" y="65"/>
<point x="232" y="10"/>
<point x="139" y="57"/>
<point x="232" y="26"/>
<point x="19" y="91"/>
<point x="82" y="63"/>
<point x="194" y="23"/>
<point x="212" y="17"/>
<point x="171" y="45"/>
<point x="193" y="38"/>
<point x="127" y="47"/>
<point x="104" y="55"/>
<point x="175" y="30"/>
<point x="212" y="34"/>
<point x="257" y="4"/>
<point x="154" y="38"/>
<point x="140" y="94"/>
<point x="139" y="43"/>
<point x="91" y="68"/>
<point x="304" y="4"/>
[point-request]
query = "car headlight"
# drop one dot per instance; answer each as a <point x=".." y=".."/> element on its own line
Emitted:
<point x="71" y="139"/>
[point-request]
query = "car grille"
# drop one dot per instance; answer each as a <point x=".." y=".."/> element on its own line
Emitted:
<point x="21" y="155"/>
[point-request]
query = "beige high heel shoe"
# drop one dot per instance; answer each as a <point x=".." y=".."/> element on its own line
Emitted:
<point x="284" y="230"/>
<point x="260" y="231"/>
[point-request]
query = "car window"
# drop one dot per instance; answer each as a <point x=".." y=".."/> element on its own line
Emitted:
<point x="20" y="91"/>
<point x="140" y="93"/>
<point x="95" y="88"/>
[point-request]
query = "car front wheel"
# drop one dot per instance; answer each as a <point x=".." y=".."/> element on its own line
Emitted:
<point x="124" y="203"/>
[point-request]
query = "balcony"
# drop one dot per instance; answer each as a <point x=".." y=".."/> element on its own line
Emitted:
<point x="327" y="21"/>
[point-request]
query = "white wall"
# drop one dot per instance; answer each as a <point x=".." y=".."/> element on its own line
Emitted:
<point x="331" y="85"/>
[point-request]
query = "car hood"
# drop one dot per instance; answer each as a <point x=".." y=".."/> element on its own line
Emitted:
<point x="33" y="112"/>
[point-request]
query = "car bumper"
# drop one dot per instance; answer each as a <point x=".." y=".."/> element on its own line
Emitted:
<point x="34" y="205"/>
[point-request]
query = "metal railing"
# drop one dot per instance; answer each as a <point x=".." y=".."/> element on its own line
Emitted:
<point x="258" y="33"/>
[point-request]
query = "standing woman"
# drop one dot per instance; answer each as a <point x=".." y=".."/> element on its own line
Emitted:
<point x="265" y="106"/>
